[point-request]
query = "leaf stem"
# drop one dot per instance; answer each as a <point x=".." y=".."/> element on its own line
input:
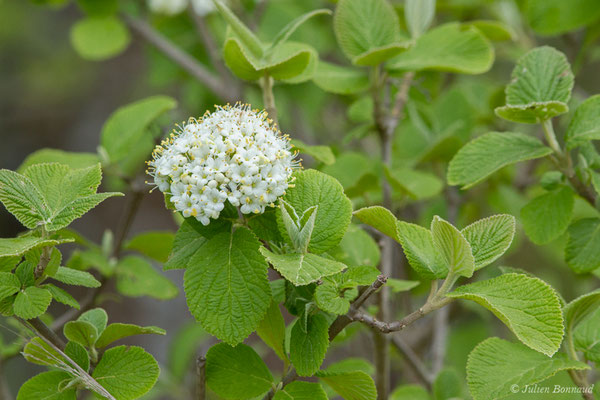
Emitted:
<point x="551" y="138"/>
<point x="578" y="377"/>
<point x="266" y="85"/>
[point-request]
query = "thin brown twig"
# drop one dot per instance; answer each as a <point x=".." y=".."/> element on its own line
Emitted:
<point x="201" y="378"/>
<point x="181" y="58"/>
<point x="43" y="330"/>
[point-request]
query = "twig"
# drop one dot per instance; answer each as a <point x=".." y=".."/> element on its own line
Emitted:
<point x="201" y="376"/>
<point x="44" y="260"/>
<point x="43" y="330"/>
<point x="335" y="328"/>
<point x="180" y="57"/>
<point x="414" y="361"/>
<point x="266" y="84"/>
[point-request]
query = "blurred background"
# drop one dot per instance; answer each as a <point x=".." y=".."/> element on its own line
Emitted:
<point x="51" y="97"/>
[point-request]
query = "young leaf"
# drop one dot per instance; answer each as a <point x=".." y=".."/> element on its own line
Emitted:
<point x="422" y="255"/>
<point x="287" y="31"/>
<point x="96" y="317"/>
<point x="357" y="34"/>
<point x="46" y="386"/>
<point x="449" y="47"/>
<point x="37" y="351"/>
<point x="582" y="252"/>
<point x="79" y="354"/>
<point x="226" y="285"/>
<point x="308" y="348"/>
<point x="272" y="330"/>
<point x="299" y="390"/>
<point x="489" y="152"/>
<point x="490" y="238"/>
<point x="250" y="42"/>
<point x="32" y="302"/>
<point x="302" y="269"/>
<point x="126" y="127"/>
<point x="72" y="276"/>
<point x="334" y="299"/>
<point x="418" y="15"/>
<point x="547" y="216"/>
<point x="9" y="284"/>
<point x="299" y="228"/>
<point x="585" y="124"/>
<point x="578" y="309"/>
<point x="114" y="332"/>
<point x="350" y="385"/>
<point x="540" y="87"/>
<point x="136" y="277"/>
<point x="381" y="219"/>
<point x="528" y="306"/>
<point x="320" y="153"/>
<point x="156" y="245"/>
<point x="334" y="212"/>
<point x="236" y="372"/>
<point x="81" y="332"/>
<point x="553" y="17"/>
<point x="22" y="199"/>
<point x="99" y="38"/>
<point x="61" y="296"/>
<point x="126" y="372"/>
<point x="587" y="336"/>
<point x="496" y="367"/>
<point x="340" y="80"/>
<point x="453" y="247"/>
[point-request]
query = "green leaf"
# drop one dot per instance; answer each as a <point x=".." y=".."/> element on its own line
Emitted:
<point x="553" y="17"/>
<point x="287" y="31"/>
<point x="494" y="30"/>
<point x="299" y="390"/>
<point x="547" y="216"/>
<point x="99" y="38"/>
<point x="448" y="385"/>
<point x="236" y="372"/>
<point x="578" y="309"/>
<point x="98" y="8"/>
<point x="496" y="366"/>
<point x="226" y="285"/>
<point x="250" y="42"/>
<point x="453" y="247"/>
<point x="37" y="351"/>
<point x="528" y="306"/>
<point x="356" y="33"/>
<point x="449" y="47"/>
<point x="356" y="248"/>
<point x="136" y="277"/>
<point x="587" y="337"/>
<point x="61" y="296"/>
<point x="489" y="152"/>
<point x="45" y="386"/>
<point x="22" y="199"/>
<point x="96" y="317"/>
<point x="418" y="15"/>
<point x="422" y="255"/>
<point x="381" y="219"/>
<point x="156" y="245"/>
<point x="350" y="385"/>
<point x="378" y="55"/>
<point x="410" y="392"/>
<point x="114" y="332"/>
<point x="490" y="238"/>
<point x="302" y="269"/>
<point x="71" y="159"/>
<point x="81" y="332"/>
<point x="32" y="302"/>
<point x="540" y="87"/>
<point x="72" y="276"/>
<point x="585" y="124"/>
<point x="79" y="354"/>
<point x="188" y="241"/>
<point x="582" y="252"/>
<point x="272" y="330"/>
<point x="334" y="208"/>
<point x="400" y="285"/>
<point x="320" y="153"/>
<point x="418" y="185"/>
<point x="308" y="348"/>
<point x="127" y="126"/>
<point x="9" y="284"/>
<point x="334" y="299"/>
<point x="126" y="372"/>
<point x="361" y="275"/>
<point x="340" y="80"/>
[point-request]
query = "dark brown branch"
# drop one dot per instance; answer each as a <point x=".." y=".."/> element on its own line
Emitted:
<point x="43" y="330"/>
<point x="181" y="58"/>
<point x="44" y="260"/>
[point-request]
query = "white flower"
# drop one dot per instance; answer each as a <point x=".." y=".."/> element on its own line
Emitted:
<point x="234" y="154"/>
<point x="167" y="7"/>
<point x="203" y="7"/>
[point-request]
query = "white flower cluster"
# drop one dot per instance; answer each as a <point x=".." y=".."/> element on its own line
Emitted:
<point x="234" y="154"/>
<point x="174" y="7"/>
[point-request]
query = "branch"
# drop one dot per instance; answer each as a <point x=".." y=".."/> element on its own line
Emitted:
<point x="201" y="376"/>
<point x="43" y="331"/>
<point x="180" y="57"/>
<point x="414" y="361"/>
<point x="334" y="329"/>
